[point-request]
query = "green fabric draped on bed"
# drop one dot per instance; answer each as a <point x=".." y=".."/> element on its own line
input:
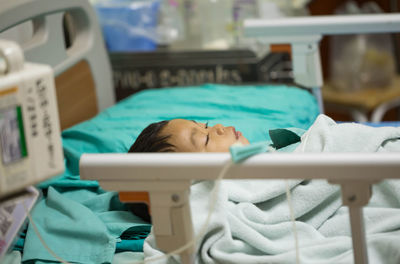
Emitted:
<point x="85" y="224"/>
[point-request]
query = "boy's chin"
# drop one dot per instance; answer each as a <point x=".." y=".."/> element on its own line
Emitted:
<point x="241" y="143"/>
<point x="244" y="141"/>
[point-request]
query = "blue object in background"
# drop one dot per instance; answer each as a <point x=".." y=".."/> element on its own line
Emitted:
<point x="129" y="25"/>
<point x="384" y="124"/>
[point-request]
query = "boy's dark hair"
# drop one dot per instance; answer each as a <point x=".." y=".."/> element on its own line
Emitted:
<point x="150" y="140"/>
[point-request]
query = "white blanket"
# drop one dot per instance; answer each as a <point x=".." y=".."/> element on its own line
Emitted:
<point x="251" y="222"/>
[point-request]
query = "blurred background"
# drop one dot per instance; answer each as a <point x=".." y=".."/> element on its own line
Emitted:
<point x="163" y="43"/>
<point x="158" y="43"/>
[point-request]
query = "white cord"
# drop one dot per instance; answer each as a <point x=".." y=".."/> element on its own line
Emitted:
<point x="293" y="220"/>
<point x="203" y="229"/>
<point x="41" y="238"/>
<point x="214" y="193"/>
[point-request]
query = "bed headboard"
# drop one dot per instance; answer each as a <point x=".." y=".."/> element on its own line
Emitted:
<point x="66" y="36"/>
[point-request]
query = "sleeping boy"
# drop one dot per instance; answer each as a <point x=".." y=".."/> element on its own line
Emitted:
<point x="180" y="135"/>
<point x="325" y="135"/>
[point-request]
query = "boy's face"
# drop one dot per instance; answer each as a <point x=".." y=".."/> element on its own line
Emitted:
<point x="190" y="136"/>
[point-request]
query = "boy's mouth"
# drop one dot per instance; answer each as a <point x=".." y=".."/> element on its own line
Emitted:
<point x="238" y="134"/>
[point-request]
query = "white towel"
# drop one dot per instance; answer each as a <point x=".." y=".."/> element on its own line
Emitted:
<point x="251" y="222"/>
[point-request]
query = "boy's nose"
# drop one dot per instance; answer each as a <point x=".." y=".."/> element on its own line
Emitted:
<point x="219" y="129"/>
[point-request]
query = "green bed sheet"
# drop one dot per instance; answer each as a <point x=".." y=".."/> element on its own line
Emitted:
<point x="253" y="110"/>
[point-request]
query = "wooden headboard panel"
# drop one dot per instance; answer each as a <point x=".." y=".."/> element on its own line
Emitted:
<point x="76" y="95"/>
<point x="81" y="64"/>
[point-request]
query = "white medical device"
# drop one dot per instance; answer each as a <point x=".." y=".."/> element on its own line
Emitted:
<point x="30" y="143"/>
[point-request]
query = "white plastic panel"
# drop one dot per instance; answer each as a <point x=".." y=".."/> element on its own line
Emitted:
<point x="47" y="45"/>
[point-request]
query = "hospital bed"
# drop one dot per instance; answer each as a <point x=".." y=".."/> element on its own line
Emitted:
<point x="83" y="69"/>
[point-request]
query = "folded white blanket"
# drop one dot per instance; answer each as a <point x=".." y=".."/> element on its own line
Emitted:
<point x="251" y="221"/>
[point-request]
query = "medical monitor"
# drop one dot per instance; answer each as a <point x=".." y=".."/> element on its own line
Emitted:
<point x="30" y="142"/>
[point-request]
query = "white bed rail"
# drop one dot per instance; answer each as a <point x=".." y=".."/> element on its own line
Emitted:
<point x="322" y="25"/>
<point x="206" y="166"/>
<point x="167" y="178"/>
<point x="304" y="34"/>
